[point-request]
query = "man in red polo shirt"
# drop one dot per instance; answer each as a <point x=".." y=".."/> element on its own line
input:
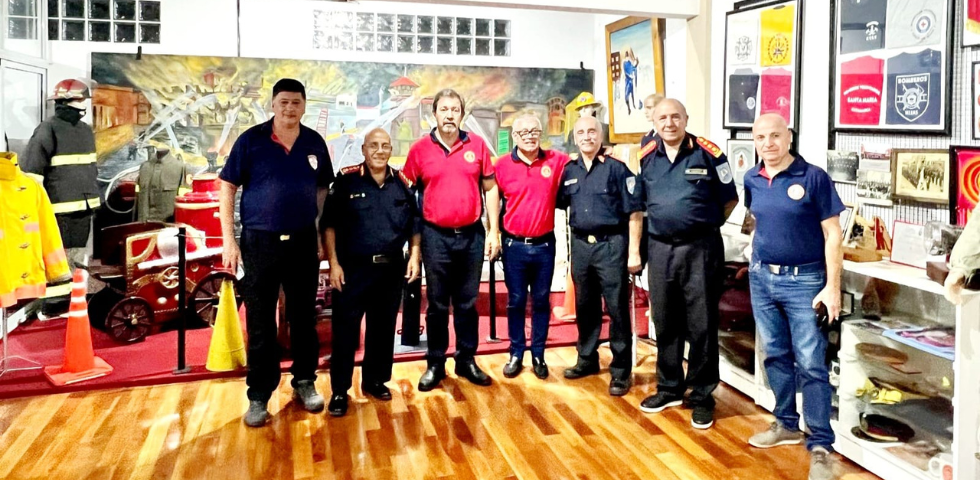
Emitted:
<point x="453" y="170"/>
<point x="528" y="179"/>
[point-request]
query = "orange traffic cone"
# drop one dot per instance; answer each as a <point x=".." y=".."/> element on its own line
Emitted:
<point x="80" y="360"/>
<point x="566" y="312"/>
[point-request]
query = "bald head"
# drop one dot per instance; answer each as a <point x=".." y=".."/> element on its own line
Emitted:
<point x="588" y="135"/>
<point x="772" y="140"/>
<point x="376" y="149"/>
<point x="670" y="121"/>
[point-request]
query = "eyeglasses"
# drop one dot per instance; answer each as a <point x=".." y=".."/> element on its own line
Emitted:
<point x="529" y="133"/>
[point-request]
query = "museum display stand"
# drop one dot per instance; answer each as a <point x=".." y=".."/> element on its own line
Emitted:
<point x="906" y="296"/>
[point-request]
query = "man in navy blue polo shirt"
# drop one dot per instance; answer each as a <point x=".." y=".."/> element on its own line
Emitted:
<point x="528" y="179"/>
<point x="282" y="168"/>
<point x="796" y="266"/>
<point x="604" y="212"/>
<point x="689" y="191"/>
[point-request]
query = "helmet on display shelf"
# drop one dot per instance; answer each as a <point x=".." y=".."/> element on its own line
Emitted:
<point x="584" y="99"/>
<point x="71" y="90"/>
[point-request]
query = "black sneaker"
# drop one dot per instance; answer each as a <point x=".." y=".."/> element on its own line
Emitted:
<point x="338" y="405"/>
<point x="702" y="417"/>
<point x="660" y="401"/>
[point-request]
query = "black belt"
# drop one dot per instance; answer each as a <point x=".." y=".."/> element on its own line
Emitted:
<point x="548" y="237"/>
<point x="455" y="231"/>
<point x="379" y="259"/>
<point x="601" y="235"/>
<point x="687" y="237"/>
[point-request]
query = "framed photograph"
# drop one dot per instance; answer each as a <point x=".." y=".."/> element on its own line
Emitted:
<point x="847" y="220"/>
<point x="741" y="155"/>
<point x="963" y="197"/>
<point x="846" y="303"/>
<point x="908" y="244"/>
<point x="970" y="11"/>
<point x="892" y="62"/>
<point x="842" y="166"/>
<point x="975" y="98"/>
<point x="921" y="175"/>
<point x="634" y="69"/>
<point x="874" y="187"/>
<point x="762" y="63"/>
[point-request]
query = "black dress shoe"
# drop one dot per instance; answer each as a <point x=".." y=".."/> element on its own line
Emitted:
<point x="513" y="366"/>
<point x="338" y="405"/>
<point x="470" y="371"/>
<point x="377" y="390"/>
<point x="620" y="387"/>
<point x="581" y="370"/>
<point x="431" y="378"/>
<point x="540" y="368"/>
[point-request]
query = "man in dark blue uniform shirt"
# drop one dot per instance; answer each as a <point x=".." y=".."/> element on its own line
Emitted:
<point x="368" y="217"/>
<point x="604" y="215"/>
<point x="687" y="186"/>
<point x="282" y="167"/>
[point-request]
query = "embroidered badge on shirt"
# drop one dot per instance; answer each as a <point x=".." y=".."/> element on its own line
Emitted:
<point x="469" y="157"/>
<point x="796" y="191"/>
<point x="545" y="171"/>
<point x="725" y="173"/>
<point x="630" y="184"/>
<point x="696" y="171"/>
<point x="313" y="162"/>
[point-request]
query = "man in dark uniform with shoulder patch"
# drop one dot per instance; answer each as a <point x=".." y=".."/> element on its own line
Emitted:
<point x="605" y="215"/>
<point x="368" y="217"/>
<point x="686" y="184"/>
<point x="283" y="168"/>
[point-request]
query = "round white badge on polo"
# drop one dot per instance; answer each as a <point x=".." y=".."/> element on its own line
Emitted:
<point x="545" y="171"/>
<point x="469" y="157"/>
<point x="313" y="162"/>
<point x="796" y="191"/>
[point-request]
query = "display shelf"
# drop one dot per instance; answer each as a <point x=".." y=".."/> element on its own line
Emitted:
<point x="898" y="274"/>
<point x="737" y="378"/>
<point x="874" y="457"/>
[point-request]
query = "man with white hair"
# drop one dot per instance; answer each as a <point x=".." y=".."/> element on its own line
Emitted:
<point x="604" y="215"/>
<point x="528" y="178"/>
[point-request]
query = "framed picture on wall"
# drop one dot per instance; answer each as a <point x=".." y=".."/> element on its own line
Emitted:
<point x="963" y="197"/>
<point x="970" y="11"/>
<point x="847" y="220"/>
<point x="892" y="66"/>
<point x="762" y="63"/>
<point x="921" y="175"/>
<point x="842" y="166"/>
<point x="974" y="99"/>
<point x="741" y="155"/>
<point x="634" y="69"/>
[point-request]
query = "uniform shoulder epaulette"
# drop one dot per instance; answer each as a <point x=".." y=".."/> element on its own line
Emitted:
<point x="408" y="183"/>
<point x="649" y="147"/>
<point x="709" y="146"/>
<point x="351" y="169"/>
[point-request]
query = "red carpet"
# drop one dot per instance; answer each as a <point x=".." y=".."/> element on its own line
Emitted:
<point x="152" y="361"/>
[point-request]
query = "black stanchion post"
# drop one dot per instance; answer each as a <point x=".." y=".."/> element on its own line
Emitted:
<point x="181" y="301"/>
<point x="493" y="302"/>
<point x="411" y="313"/>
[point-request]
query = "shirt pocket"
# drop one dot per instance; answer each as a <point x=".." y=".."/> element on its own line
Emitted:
<point x="573" y="189"/>
<point x="170" y="179"/>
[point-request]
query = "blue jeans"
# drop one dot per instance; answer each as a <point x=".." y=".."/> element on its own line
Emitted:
<point x="793" y="346"/>
<point x="528" y="266"/>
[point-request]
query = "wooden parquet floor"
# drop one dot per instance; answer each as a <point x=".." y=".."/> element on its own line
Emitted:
<point x="522" y="428"/>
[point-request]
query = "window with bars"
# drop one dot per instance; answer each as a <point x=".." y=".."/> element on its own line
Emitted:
<point x="117" y="21"/>
<point x="22" y="19"/>
<point x="402" y="33"/>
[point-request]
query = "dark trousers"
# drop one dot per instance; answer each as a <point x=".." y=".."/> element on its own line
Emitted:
<point x="685" y="288"/>
<point x="599" y="271"/>
<point x="528" y="267"/>
<point x="453" y="264"/>
<point x="372" y="291"/>
<point x="270" y="262"/>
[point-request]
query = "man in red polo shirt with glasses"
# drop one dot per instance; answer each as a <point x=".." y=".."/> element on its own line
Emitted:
<point x="528" y="178"/>
<point x="453" y="170"/>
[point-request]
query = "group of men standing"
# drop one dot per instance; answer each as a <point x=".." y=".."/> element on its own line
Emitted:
<point x="684" y="189"/>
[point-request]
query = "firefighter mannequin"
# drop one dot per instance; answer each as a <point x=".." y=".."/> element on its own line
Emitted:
<point x="585" y="105"/>
<point x="61" y="156"/>
<point x="161" y="179"/>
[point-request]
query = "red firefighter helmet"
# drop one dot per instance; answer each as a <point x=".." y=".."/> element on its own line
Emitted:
<point x="72" y="90"/>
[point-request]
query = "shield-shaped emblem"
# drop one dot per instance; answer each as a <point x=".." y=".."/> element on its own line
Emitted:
<point x="912" y="95"/>
<point x="724" y="173"/>
<point x="313" y="161"/>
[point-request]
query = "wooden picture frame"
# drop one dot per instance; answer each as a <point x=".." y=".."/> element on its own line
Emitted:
<point x="921" y="175"/>
<point x="630" y="74"/>
<point x="891" y="79"/>
<point x="847" y="220"/>
<point x="741" y="156"/>
<point x="970" y="13"/>
<point x="762" y="63"/>
<point x="964" y="192"/>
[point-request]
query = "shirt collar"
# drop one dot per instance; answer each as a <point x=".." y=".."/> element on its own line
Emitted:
<point x="688" y="143"/>
<point x="515" y="155"/>
<point x="796" y="168"/>
<point x="464" y="137"/>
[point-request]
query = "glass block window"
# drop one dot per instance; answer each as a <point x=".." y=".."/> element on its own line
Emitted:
<point x="22" y="19"/>
<point x="117" y="21"/>
<point x="404" y="33"/>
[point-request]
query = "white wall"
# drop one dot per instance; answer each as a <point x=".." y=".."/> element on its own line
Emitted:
<point x="815" y="81"/>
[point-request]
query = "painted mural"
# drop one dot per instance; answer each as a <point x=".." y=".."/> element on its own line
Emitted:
<point x="197" y="106"/>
